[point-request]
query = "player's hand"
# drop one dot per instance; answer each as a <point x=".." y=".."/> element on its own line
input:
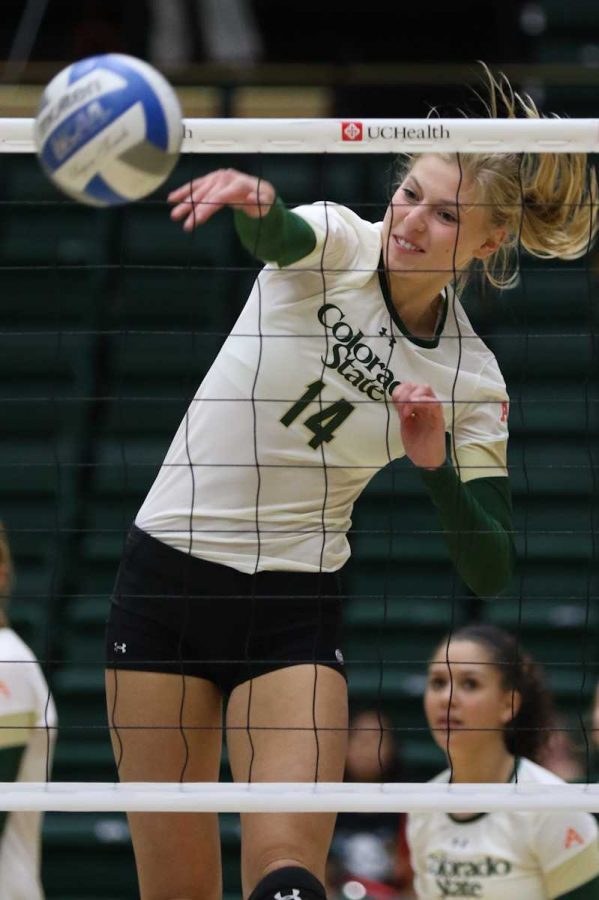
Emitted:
<point x="422" y="424"/>
<point x="198" y="200"/>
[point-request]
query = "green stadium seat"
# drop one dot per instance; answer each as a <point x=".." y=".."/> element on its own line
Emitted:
<point x="84" y="760"/>
<point x="22" y="178"/>
<point x="556" y="292"/>
<point x="548" y="406"/>
<point x="163" y="356"/>
<point x="521" y="354"/>
<point x="546" y="466"/>
<point x="88" y="854"/>
<point x="54" y="298"/>
<point x="149" y="237"/>
<point x="194" y="300"/>
<point x="297" y="179"/>
<point x="53" y="233"/>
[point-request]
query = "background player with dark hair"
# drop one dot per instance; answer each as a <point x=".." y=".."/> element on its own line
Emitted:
<point x="488" y="708"/>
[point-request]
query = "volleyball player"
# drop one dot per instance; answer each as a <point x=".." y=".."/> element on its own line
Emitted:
<point x="352" y="350"/>
<point x="27" y="736"/>
<point x="489" y="710"/>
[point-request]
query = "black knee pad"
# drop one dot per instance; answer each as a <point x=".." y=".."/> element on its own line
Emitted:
<point x="290" y="883"/>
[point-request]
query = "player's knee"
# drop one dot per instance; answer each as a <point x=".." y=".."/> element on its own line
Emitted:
<point x="289" y="883"/>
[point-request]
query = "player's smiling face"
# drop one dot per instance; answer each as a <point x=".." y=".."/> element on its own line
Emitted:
<point x="435" y="223"/>
<point x="465" y="693"/>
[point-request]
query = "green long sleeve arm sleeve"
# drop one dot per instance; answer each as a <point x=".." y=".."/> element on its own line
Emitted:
<point x="476" y="517"/>
<point x="280" y="236"/>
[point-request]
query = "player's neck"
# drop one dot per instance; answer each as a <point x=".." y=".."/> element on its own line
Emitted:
<point x="489" y="765"/>
<point x="418" y="309"/>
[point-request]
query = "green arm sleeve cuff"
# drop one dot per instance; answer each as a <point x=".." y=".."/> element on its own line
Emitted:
<point x="477" y="521"/>
<point x="10" y="761"/>
<point x="588" y="891"/>
<point x="280" y="236"/>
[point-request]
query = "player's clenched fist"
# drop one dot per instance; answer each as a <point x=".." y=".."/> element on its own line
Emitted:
<point x="422" y="424"/>
<point x="198" y="200"/>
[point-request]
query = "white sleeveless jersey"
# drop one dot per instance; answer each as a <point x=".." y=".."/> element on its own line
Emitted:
<point x="27" y="716"/>
<point x="494" y="856"/>
<point x="294" y="417"/>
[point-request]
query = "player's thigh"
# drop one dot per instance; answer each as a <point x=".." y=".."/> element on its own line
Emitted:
<point x="168" y="728"/>
<point x="288" y="725"/>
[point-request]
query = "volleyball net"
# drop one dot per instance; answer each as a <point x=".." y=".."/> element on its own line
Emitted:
<point x="109" y="319"/>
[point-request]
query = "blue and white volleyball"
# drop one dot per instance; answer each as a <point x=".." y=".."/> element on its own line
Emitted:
<point x="108" y="130"/>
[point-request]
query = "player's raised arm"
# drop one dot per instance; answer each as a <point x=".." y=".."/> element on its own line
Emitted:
<point x="198" y="200"/>
<point x="266" y="228"/>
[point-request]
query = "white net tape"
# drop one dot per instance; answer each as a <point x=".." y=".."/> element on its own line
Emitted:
<point x="293" y="797"/>
<point x="363" y="135"/>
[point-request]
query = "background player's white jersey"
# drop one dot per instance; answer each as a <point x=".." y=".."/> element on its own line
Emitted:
<point x="500" y="855"/>
<point x="27" y="715"/>
<point x="294" y="417"/>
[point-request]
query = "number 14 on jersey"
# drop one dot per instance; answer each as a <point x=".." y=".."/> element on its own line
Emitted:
<point x="322" y="423"/>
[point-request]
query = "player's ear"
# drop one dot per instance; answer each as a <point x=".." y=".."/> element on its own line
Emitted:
<point x="491" y="244"/>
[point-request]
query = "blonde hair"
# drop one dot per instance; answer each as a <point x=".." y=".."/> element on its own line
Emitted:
<point x="6" y="584"/>
<point x="546" y="202"/>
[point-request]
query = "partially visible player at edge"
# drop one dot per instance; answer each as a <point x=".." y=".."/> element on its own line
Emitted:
<point x="28" y="724"/>
<point x="488" y="708"/>
<point x="345" y="356"/>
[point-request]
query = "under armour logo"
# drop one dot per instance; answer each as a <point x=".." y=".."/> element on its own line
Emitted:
<point x="294" y="896"/>
<point x="119" y="648"/>
<point x="383" y="333"/>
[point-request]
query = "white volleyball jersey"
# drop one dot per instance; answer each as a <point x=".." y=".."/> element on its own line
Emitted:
<point x="294" y="417"/>
<point x="27" y="717"/>
<point x="499" y="855"/>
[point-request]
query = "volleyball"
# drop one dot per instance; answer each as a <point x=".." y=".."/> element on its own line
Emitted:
<point x="108" y="130"/>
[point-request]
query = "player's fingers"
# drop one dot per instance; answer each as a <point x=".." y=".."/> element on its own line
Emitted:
<point x="208" y="201"/>
<point x="403" y="398"/>
<point x="241" y="192"/>
<point x="180" y="193"/>
<point x="245" y="192"/>
<point x="199" y="213"/>
<point x="206" y="197"/>
<point x="186" y="190"/>
<point x="423" y="397"/>
<point x="181" y="210"/>
<point x="402" y="392"/>
<point x="202" y="183"/>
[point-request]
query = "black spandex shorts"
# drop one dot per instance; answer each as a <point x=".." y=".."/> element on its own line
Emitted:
<point x="172" y="612"/>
